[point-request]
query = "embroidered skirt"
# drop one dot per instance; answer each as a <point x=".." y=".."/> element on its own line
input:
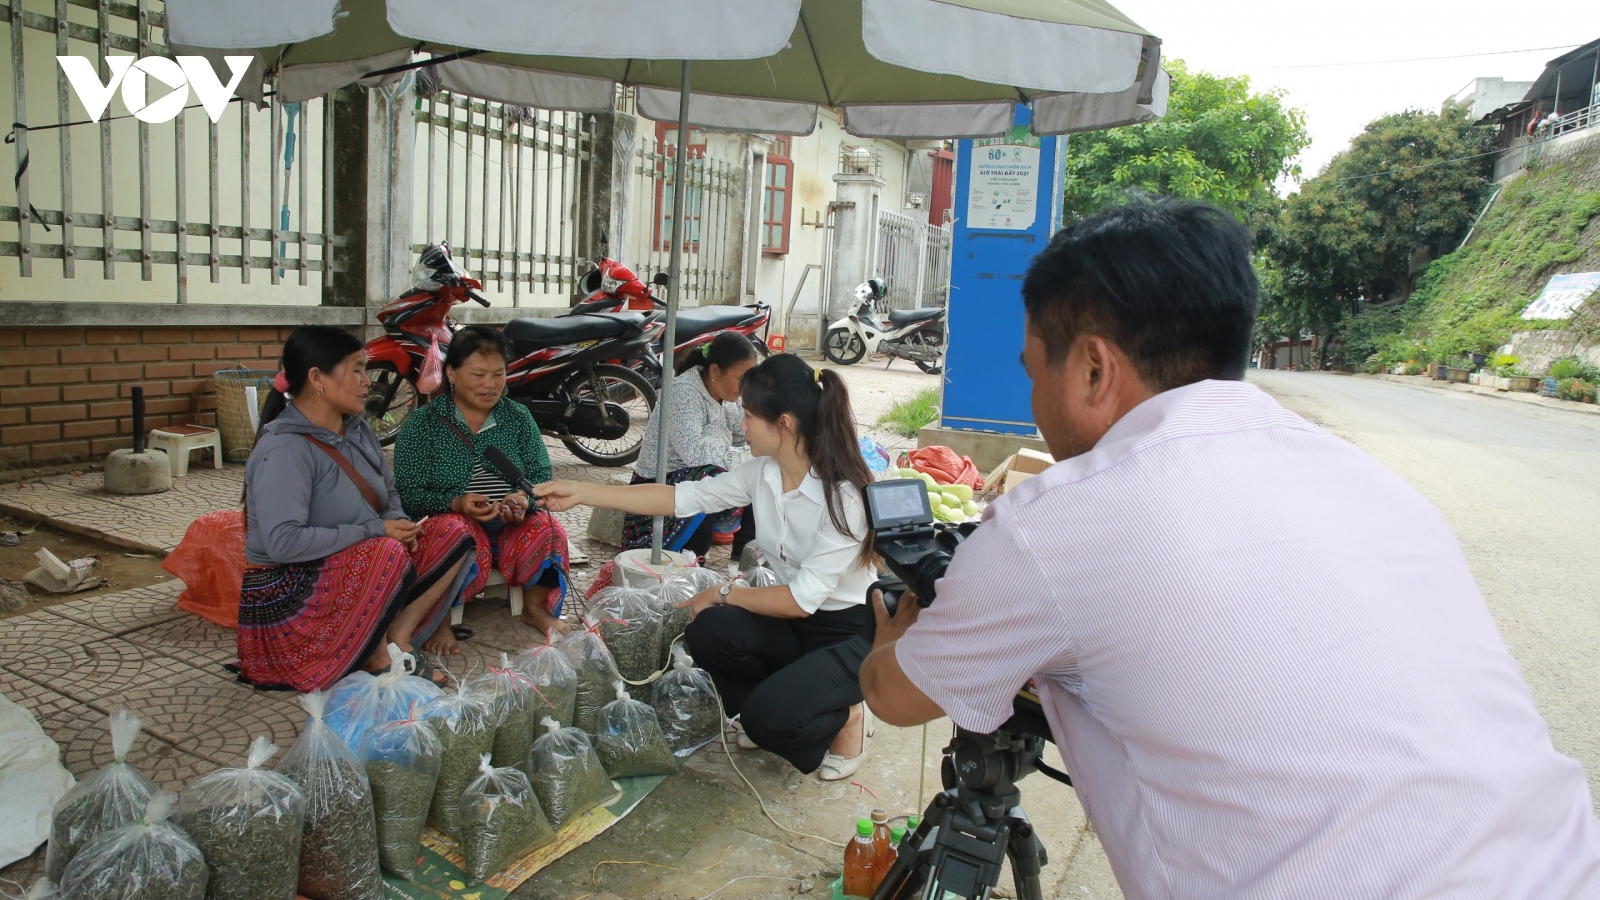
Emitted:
<point x="306" y="625"/>
<point x="522" y="552"/>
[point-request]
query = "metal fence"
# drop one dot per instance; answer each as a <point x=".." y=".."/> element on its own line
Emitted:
<point x="247" y="193"/>
<point x="913" y="259"/>
<point x="712" y="219"/>
<point x="507" y="188"/>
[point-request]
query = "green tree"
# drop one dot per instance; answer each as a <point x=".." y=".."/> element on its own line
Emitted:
<point x="1363" y="230"/>
<point x="1219" y="142"/>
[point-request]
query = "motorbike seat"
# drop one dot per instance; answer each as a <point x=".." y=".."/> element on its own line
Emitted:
<point x="899" y="318"/>
<point x="534" y="334"/>
<point x="701" y="319"/>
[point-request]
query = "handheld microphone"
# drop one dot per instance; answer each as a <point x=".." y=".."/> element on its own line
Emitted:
<point x="506" y="469"/>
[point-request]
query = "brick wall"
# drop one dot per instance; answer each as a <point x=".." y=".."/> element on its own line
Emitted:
<point x="64" y="392"/>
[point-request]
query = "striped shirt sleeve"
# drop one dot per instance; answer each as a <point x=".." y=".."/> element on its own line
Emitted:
<point x="994" y="624"/>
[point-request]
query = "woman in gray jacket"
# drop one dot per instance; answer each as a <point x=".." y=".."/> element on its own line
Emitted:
<point x="335" y="571"/>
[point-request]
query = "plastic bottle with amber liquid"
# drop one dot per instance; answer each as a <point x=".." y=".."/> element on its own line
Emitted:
<point x="860" y="862"/>
<point x="882" y="845"/>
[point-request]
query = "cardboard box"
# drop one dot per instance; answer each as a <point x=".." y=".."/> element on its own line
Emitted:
<point x="1031" y="461"/>
<point x="1018" y="467"/>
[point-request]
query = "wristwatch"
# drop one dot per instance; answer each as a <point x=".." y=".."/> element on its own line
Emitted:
<point x="722" y="594"/>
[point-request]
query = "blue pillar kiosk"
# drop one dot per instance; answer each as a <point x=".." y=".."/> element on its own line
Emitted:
<point x="1007" y="205"/>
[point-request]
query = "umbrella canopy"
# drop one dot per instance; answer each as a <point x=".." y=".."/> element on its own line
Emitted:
<point x="895" y="68"/>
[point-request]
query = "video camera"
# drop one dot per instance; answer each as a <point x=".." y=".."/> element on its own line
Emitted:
<point x="915" y="547"/>
<point x="917" y="551"/>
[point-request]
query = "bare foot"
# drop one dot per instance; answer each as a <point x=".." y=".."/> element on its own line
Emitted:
<point x="851" y="740"/>
<point x="535" y="615"/>
<point x="443" y="642"/>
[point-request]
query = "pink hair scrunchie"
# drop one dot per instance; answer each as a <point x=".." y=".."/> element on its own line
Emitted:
<point x="280" y="383"/>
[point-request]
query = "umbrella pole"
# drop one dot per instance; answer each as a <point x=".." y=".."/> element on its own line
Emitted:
<point x="669" y="341"/>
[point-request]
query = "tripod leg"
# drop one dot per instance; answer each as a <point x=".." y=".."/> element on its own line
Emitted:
<point x="1027" y="856"/>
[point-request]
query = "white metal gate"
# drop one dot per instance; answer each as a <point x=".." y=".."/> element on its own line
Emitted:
<point x="711" y="219"/>
<point x="262" y="175"/>
<point x="913" y="259"/>
<point x="505" y="186"/>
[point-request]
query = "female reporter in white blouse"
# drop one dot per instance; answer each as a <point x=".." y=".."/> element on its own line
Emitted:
<point x="785" y="659"/>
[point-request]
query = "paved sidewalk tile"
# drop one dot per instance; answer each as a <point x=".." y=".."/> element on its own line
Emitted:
<point x="190" y="639"/>
<point x="84" y="734"/>
<point x="126" y="611"/>
<point x="77" y="660"/>
<point x="211" y="715"/>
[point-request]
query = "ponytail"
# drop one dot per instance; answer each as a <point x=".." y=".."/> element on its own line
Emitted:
<point x="820" y="403"/>
<point x="724" y="351"/>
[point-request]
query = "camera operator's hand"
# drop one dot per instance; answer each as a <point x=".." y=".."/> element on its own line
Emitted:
<point x="890" y="628"/>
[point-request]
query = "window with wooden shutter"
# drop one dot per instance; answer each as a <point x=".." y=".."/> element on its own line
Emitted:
<point x="777" y="198"/>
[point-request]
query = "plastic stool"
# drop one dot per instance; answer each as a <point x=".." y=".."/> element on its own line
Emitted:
<point x="180" y="440"/>
<point x="514" y="594"/>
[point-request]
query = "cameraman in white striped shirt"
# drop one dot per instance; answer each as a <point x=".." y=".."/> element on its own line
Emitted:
<point x="1249" y="706"/>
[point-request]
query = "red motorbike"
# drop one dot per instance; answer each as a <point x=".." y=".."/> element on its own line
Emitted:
<point x="558" y="371"/>
<point x="412" y="322"/>
<point x="612" y="287"/>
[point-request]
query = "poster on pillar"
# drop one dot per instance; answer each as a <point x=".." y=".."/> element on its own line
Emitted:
<point x="1003" y="192"/>
<point x="1008" y="204"/>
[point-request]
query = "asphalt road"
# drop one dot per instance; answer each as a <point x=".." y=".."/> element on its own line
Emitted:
<point x="1520" y="485"/>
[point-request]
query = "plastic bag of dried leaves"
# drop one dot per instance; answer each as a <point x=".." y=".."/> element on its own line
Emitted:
<point x="248" y="823"/>
<point x="151" y="859"/>
<point x="686" y="705"/>
<point x="567" y="773"/>
<point x="339" y="847"/>
<point x="500" y="820"/>
<point x="112" y="797"/>
<point x="402" y="763"/>
<point x="630" y="741"/>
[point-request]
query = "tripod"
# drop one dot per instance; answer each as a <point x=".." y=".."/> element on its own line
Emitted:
<point x="974" y="824"/>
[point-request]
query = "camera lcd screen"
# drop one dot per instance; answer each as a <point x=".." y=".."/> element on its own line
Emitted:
<point x="894" y="503"/>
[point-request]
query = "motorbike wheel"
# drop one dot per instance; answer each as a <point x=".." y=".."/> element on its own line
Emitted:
<point x="627" y="389"/>
<point x="842" y="347"/>
<point x="929" y="337"/>
<point x="390" y="399"/>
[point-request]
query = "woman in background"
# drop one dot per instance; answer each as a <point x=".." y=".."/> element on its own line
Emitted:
<point x="334" y="569"/>
<point x="704" y="429"/>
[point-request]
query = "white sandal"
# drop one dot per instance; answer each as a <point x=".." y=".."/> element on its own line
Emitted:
<point x="837" y="768"/>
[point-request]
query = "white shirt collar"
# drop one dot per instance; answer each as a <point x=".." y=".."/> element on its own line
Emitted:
<point x="810" y="486"/>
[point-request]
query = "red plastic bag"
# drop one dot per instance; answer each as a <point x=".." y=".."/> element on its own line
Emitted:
<point x="946" y="467"/>
<point x="210" y="561"/>
<point x="432" y="377"/>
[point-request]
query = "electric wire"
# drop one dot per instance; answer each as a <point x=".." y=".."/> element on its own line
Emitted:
<point x="1385" y="62"/>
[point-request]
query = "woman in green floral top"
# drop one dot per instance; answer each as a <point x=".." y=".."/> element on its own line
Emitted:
<point x="440" y="472"/>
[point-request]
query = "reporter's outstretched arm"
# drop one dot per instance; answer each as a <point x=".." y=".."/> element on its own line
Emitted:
<point x="640" y="499"/>
<point x="891" y="695"/>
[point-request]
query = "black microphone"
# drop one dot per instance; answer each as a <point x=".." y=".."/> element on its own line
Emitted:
<point x="506" y="469"/>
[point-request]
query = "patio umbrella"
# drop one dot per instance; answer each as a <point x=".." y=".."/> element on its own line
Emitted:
<point x="893" y="68"/>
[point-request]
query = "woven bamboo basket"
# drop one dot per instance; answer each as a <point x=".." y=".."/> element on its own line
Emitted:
<point x="237" y="419"/>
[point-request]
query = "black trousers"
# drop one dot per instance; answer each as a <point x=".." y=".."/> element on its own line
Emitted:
<point x="791" y="682"/>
